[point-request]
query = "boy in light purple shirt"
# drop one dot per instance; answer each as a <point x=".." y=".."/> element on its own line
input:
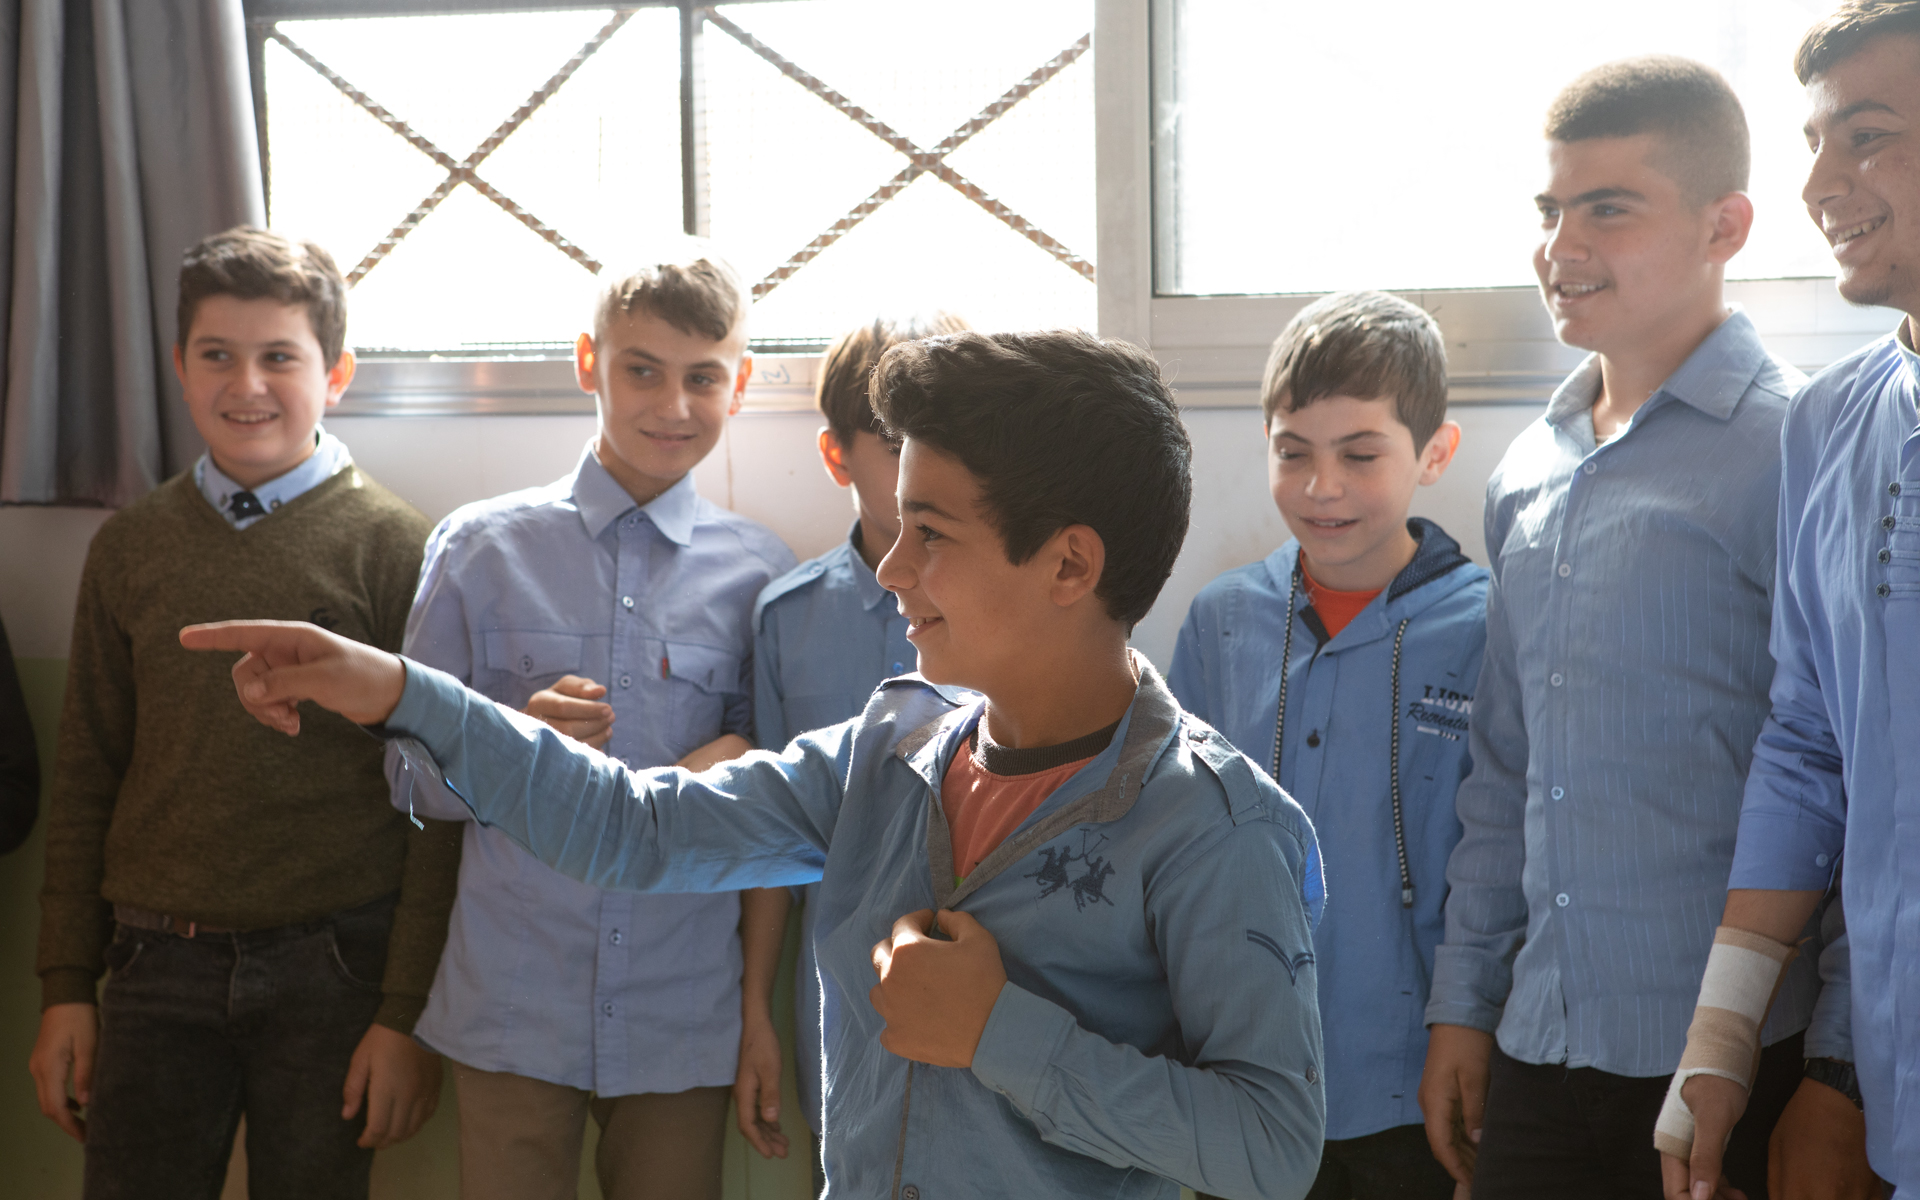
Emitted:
<point x="614" y="604"/>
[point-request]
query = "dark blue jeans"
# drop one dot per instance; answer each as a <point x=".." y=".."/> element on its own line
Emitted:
<point x="195" y="1032"/>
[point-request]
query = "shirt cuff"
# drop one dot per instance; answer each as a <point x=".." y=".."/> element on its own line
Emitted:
<point x="1783" y="852"/>
<point x="68" y="985"/>
<point x="1018" y="1045"/>
<point x="1468" y="989"/>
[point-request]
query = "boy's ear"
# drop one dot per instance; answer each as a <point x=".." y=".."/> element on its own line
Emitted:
<point x="740" y="384"/>
<point x="585" y="365"/>
<point x="339" y="376"/>
<point x="1079" y="558"/>
<point x="1732" y="216"/>
<point x="1438" y="455"/>
<point x="179" y="365"/>
<point x="833" y="456"/>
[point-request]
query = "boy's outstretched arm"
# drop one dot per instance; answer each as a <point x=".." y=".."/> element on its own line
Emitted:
<point x="290" y="661"/>
<point x="759" y="822"/>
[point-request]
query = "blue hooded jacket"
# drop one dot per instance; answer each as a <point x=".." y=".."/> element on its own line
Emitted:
<point x="1414" y="652"/>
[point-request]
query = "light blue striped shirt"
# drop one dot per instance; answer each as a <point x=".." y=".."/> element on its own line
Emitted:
<point x="1625" y="680"/>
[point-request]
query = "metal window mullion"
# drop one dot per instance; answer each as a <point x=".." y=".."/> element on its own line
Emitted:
<point x="694" y="176"/>
<point x="257" y="33"/>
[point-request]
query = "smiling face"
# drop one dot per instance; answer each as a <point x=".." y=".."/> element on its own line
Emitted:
<point x="663" y="394"/>
<point x="1343" y="471"/>
<point x="253" y="378"/>
<point x="1625" y="260"/>
<point x="1864" y="189"/>
<point x="976" y="619"/>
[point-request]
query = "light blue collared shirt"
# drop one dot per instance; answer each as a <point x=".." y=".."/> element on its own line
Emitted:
<point x="1158" y="1025"/>
<point x="1422" y="635"/>
<point x="1625" y="680"/>
<point x="329" y="456"/>
<point x="825" y="635"/>
<point x="544" y="976"/>
<point x="1837" y="768"/>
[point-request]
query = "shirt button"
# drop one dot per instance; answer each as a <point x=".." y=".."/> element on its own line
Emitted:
<point x="1893" y="489"/>
<point x="608" y="1010"/>
<point x="898" y="668"/>
<point x="1886" y="556"/>
<point x="626" y="602"/>
<point x="615" y="937"/>
<point x="1313" y="1073"/>
<point x="1566" y="569"/>
<point x="1590" y="468"/>
<point x="1559" y="793"/>
<point x="1313" y="739"/>
<point x="626" y="681"/>
<point x="526" y="663"/>
<point x="1886" y="522"/>
<point x="1556" y="679"/>
<point x="909" y="1192"/>
<point x="1819" y="860"/>
<point x="1883" y="590"/>
<point x="1563" y="899"/>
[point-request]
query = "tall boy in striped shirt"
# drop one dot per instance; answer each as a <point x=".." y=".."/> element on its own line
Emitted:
<point x="1631" y="536"/>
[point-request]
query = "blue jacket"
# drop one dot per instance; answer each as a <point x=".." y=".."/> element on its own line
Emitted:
<point x="825" y="635"/>
<point x="1155" y="916"/>
<point x="1375" y="955"/>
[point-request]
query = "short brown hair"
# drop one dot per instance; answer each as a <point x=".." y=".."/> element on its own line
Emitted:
<point x="1689" y="104"/>
<point x="696" y="291"/>
<point x="1846" y="30"/>
<point x="845" y="374"/>
<point x="1058" y="428"/>
<point x="1365" y="345"/>
<point x="258" y="264"/>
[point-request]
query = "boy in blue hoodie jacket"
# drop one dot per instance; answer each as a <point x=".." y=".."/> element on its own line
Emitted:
<point x="1065" y="931"/>
<point x="1379" y="621"/>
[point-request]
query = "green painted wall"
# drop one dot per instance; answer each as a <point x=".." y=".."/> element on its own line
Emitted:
<point x="43" y="1164"/>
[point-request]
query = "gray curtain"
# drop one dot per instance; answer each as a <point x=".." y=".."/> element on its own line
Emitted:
<point x="126" y="135"/>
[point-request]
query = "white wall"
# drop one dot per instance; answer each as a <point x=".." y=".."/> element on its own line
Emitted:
<point x="767" y="469"/>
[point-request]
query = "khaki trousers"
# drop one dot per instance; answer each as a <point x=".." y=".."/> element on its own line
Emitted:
<point x="520" y="1139"/>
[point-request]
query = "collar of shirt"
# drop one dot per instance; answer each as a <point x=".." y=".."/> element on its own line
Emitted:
<point x="601" y="501"/>
<point x="1712" y="380"/>
<point x="865" y="582"/>
<point x="328" y="457"/>
<point x="1903" y="339"/>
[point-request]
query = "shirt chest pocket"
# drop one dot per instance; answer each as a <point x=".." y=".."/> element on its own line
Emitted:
<point x="533" y="658"/>
<point x="700" y="679"/>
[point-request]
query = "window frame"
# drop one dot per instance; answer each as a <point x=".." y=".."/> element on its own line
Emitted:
<point x="1500" y="344"/>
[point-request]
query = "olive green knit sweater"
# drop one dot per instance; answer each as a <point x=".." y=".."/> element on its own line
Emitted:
<point x="168" y="797"/>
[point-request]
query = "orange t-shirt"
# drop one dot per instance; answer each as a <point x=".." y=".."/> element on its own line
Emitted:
<point x="984" y="808"/>
<point x="1336" y="609"/>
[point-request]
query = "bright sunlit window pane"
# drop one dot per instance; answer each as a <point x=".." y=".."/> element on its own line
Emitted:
<point x="1302" y="150"/>
<point x="599" y="164"/>
<point x="786" y="165"/>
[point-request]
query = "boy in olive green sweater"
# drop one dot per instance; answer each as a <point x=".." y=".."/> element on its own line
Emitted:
<point x="268" y="923"/>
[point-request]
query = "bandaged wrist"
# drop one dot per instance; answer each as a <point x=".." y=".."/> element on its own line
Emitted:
<point x="1743" y="972"/>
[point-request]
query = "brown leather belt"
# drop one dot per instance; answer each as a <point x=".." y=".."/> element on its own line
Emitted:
<point x="140" y="918"/>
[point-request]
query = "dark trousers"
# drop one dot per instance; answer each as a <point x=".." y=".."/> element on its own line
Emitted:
<point x="195" y="1032"/>
<point x="1584" y="1133"/>
<point x="1394" y="1164"/>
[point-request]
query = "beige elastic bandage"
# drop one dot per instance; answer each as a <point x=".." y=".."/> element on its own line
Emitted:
<point x="1744" y="971"/>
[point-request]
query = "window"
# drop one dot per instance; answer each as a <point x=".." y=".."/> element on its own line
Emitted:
<point x="470" y="170"/>
<point x="1298" y="149"/>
